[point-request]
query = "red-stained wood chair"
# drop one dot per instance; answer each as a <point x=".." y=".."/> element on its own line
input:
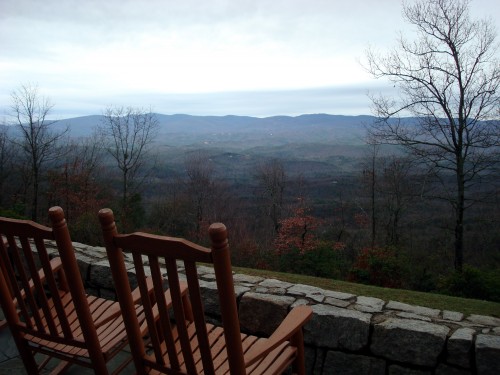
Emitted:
<point x="3" y="322"/>
<point x="45" y="304"/>
<point x="181" y="341"/>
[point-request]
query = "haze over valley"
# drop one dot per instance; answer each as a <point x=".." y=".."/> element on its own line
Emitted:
<point x="312" y="145"/>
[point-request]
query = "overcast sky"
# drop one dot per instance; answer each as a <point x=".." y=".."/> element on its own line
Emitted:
<point x="200" y="57"/>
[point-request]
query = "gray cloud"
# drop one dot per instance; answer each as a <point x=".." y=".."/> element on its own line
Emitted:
<point x="255" y="57"/>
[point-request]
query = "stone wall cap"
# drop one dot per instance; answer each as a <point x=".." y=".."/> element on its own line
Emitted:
<point x="269" y="298"/>
<point x="415" y="325"/>
<point x="241" y="278"/>
<point x="274" y="283"/>
<point x="204" y="269"/>
<point x="454" y="316"/>
<point x="484" y="320"/>
<point x="369" y="304"/>
<point x="408" y="315"/>
<point x="488" y="341"/>
<point x="464" y="333"/>
<point x="338" y="295"/>
<point x="323" y="310"/>
<point x="420" y="310"/>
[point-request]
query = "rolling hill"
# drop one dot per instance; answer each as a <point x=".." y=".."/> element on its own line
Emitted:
<point x="236" y="132"/>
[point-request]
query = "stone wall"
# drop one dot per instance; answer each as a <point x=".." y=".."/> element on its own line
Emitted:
<point x="348" y="334"/>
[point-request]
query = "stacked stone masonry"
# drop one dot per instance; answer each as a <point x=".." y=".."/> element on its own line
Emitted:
<point x="347" y="334"/>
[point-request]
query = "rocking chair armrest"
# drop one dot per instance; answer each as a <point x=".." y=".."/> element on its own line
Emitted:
<point x="115" y="310"/>
<point x="55" y="265"/>
<point x="292" y="323"/>
<point x="136" y="294"/>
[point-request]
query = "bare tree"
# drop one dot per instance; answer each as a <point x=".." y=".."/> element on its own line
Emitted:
<point x="74" y="184"/>
<point x="370" y="175"/>
<point x="37" y="142"/>
<point x="6" y="160"/>
<point x="200" y="187"/>
<point x="271" y="178"/>
<point x="448" y="78"/>
<point x="397" y="190"/>
<point x="129" y="133"/>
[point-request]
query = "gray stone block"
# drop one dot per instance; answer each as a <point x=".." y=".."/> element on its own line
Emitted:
<point x="338" y="295"/>
<point x="336" y="302"/>
<point x="459" y="347"/>
<point x="203" y="270"/>
<point x="488" y="354"/>
<point x="100" y="275"/>
<point x="409" y="341"/>
<point x="210" y="296"/>
<point x="96" y="253"/>
<point x="310" y="359"/>
<point x="262" y="313"/>
<point x="84" y="264"/>
<point x="484" y="320"/>
<point x="444" y="369"/>
<point x="318" y="364"/>
<point x="352" y="364"/>
<point x="407" y="315"/>
<point x="240" y="278"/>
<point x="452" y="315"/>
<point x="314" y="293"/>
<point x="419" y="310"/>
<point x="369" y="304"/>
<point x="336" y="328"/>
<point x="273" y="283"/>
<point x="400" y="370"/>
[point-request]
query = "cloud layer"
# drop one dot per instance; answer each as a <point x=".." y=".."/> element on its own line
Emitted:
<point x="219" y="56"/>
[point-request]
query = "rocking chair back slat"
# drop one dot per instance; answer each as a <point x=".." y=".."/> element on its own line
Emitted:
<point x="165" y="335"/>
<point x="54" y="287"/>
<point x="199" y="313"/>
<point x="33" y="294"/>
<point x="180" y="316"/>
<point x="11" y="279"/>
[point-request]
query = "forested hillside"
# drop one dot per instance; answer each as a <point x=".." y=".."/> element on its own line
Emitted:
<point x="302" y="194"/>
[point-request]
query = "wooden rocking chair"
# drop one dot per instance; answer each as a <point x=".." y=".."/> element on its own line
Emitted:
<point x="3" y="322"/>
<point x="180" y="339"/>
<point x="45" y="304"/>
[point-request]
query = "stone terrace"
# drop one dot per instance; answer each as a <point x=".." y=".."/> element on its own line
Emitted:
<point x="348" y="334"/>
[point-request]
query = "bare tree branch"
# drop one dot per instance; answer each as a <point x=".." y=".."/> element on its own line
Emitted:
<point x="129" y="132"/>
<point x="448" y="79"/>
<point x="37" y="142"/>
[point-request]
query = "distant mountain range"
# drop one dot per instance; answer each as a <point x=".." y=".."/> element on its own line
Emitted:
<point x="243" y="131"/>
<point x="312" y="145"/>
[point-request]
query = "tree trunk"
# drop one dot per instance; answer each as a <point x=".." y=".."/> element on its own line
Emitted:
<point x="459" y="225"/>
<point x="374" y="226"/>
<point x="34" y="206"/>
<point x="125" y="192"/>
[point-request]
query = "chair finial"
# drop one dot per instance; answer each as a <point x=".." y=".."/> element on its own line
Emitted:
<point x="56" y="215"/>
<point x="106" y="217"/>
<point x="218" y="234"/>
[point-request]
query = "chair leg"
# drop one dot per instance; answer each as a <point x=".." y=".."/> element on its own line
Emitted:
<point x="299" y="364"/>
<point x="60" y="368"/>
<point x="188" y="309"/>
<point x="27" y="356"/>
